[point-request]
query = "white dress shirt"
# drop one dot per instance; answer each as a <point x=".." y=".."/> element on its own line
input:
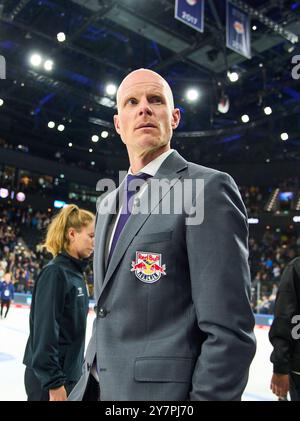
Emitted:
<point x="150" y="169"/>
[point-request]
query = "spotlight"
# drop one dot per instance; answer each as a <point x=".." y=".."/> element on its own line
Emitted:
<point x="1" y="102"/>
<point x="61" y="37"/>
<point x="192" y="94"/>
<point x="233" y="76"/>
<point x="284" y="136"/>
<point x="245" y="118"/>
<point x="48" y="65"/>
<point x="90" y="150"/>
<point x="254" y="27"/>
<point x="20" y="196"/>
<point x="268" y="110"/>
<point x="93" y="163"/>
<point x="95" y="138"/>
<point x="51" y="124"/>
<point x="3" y="193"/>
<point x="111" y="89"/>
<point x="70" y="144"/>
<point x="35" y="60"/>
<point x="104" y="134"/>
<point x="60" y="127"/>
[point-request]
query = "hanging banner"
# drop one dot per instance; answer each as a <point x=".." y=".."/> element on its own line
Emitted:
<point x="238" y="31"/>
<point x="190" y="12"/>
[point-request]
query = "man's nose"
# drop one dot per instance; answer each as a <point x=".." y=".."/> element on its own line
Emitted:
<point x="145" y="108"/>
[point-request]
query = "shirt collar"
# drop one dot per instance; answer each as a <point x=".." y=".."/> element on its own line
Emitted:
<point x="154" y="165"/>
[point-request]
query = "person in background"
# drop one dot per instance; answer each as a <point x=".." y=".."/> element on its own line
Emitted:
<point x="55" y="348"/>
<point x="284" y="335"/>
<point x="7" y="293"/>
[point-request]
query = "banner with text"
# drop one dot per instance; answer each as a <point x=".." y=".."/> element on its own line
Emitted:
<point x="191" y="12"/>
<point x="238" y="31"/>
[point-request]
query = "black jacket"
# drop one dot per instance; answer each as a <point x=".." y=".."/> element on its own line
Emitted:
<point x="59" y="308"/>
<point x="286" y="354"/>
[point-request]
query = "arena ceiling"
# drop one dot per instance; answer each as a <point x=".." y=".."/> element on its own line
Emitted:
<point x="105" y="39"/>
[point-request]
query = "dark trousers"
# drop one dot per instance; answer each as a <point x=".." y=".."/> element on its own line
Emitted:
<point x="295" y="387"/>
<point x="7" y="304"/>
<point x="34" y="390"/>
<point x="92" y="391"/>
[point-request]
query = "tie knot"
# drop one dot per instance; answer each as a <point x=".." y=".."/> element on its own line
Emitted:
<point x="133" y="182"/>
<point x="140" y="176"/>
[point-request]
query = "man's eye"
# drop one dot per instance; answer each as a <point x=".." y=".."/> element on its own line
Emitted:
<point x="156" y="100"/>
<point x="132" y="101"/>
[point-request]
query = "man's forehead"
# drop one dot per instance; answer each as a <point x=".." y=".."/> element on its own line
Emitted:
<point x="142" y="85"/>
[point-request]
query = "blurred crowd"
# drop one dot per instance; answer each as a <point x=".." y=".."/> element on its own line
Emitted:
<point x="16" y="257"/>
<point x="269" y="255"/>
<point x="254" y="198"/>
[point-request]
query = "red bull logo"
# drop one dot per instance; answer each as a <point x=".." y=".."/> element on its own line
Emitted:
<point x="148" y="267"/>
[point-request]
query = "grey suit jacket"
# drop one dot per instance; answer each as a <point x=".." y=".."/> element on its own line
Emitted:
<point x="183" y="329"/>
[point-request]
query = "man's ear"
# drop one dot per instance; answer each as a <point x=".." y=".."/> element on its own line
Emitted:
<point x="175" y="118"/>
<point x="116" y="123"/>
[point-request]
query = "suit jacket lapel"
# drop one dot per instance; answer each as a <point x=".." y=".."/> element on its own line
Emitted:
<point x="110" y="204"/>
<point x="168" y="170"/>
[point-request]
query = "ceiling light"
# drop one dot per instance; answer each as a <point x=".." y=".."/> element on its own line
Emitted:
<point x="4" y="193"/>
<point x="1" y="102"/>
<point x="95" y="138"/>
<point x="254" y="27"/>
<point x="268" y="110"/>
<point x="48" y="65"/>
<point x="51" y="124"/>
<point x="111" y="89"/>
<point x="93" y="163"/>
<point x="284" y="136"/>
<point x="104" y="134"/>
<point x="70" y="144"/>
<point x="245" y="118"/>
<point x="233" y="76"/>
<point x="60" y="127"/>
<point x="35" y="60"/>
<point x="61" y="37"/>
<point x="192" y="94"/>
<point x="90" y="150"/>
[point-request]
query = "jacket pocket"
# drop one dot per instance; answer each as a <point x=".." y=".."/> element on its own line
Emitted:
<point x="155" y="237"/>
<point x="163" y="369"/>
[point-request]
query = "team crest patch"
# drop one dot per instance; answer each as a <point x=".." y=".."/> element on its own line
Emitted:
<point x="148" y="267"/>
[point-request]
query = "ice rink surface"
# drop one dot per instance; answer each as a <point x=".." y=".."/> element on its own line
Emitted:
<point x="13" y="337"/>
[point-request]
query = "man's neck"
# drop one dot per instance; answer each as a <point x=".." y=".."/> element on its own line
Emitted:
<point x="139" y="161"/>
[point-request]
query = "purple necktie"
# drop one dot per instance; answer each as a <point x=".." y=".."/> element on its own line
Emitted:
<point x="130" y="189"/>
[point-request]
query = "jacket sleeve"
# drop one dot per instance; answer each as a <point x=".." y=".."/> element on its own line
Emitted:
<point x="220" y="280"/>
<point x="48" y="310"/>
<point x="280" y="332"/>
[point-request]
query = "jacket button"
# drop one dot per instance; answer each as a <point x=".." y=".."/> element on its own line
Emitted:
<point x="102" y="312"/>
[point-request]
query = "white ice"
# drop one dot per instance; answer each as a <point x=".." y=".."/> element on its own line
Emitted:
<point x="13" y="337"/>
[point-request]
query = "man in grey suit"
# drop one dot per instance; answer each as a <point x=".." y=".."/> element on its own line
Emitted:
<point x="173" y="315"/>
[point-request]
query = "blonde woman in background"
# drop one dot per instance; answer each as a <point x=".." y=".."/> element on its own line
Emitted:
<point x="55" y="348"/>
